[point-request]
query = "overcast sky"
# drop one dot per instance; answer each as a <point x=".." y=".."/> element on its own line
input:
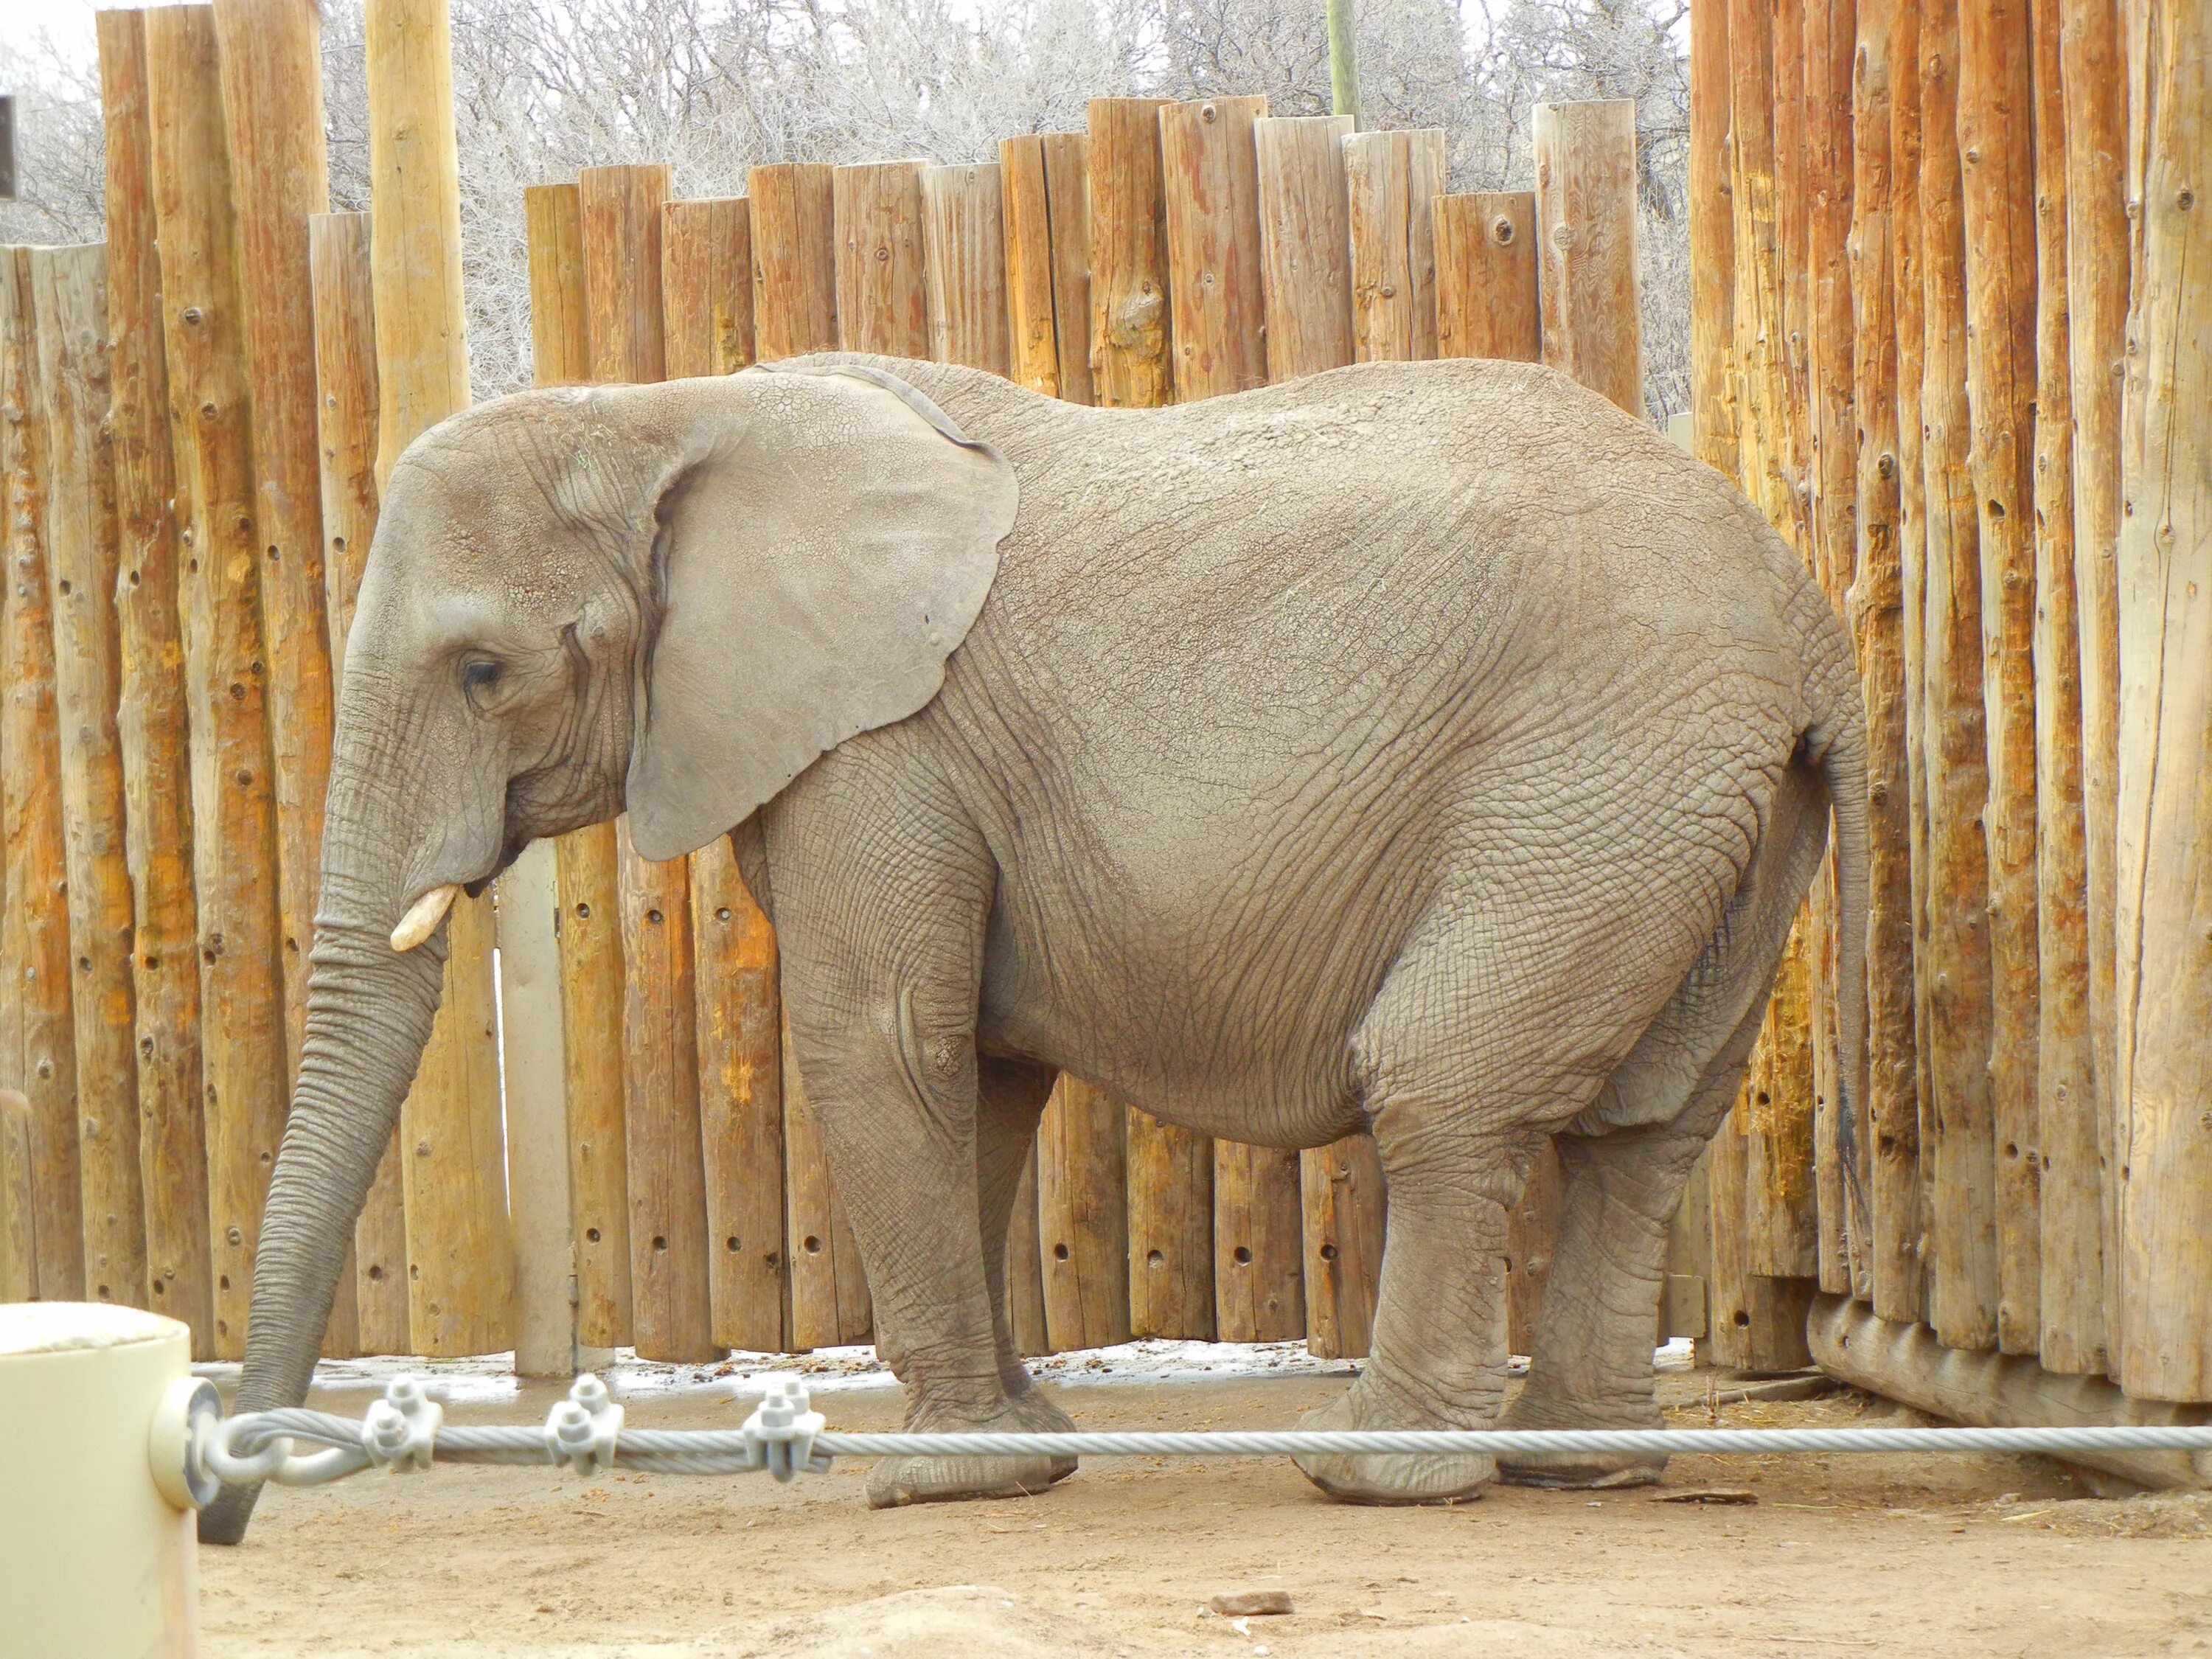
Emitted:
<point x="68" y="22"/>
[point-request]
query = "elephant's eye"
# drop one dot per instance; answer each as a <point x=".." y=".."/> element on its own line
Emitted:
<point x="480" y="674"/>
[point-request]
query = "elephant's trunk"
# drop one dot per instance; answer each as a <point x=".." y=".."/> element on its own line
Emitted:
<point x="369" y="1011"/>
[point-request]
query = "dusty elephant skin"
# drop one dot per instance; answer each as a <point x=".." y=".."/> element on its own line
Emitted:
<point x="1426" y="746"/>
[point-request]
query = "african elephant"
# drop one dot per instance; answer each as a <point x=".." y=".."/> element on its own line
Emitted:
<point x="1428" y="748"/>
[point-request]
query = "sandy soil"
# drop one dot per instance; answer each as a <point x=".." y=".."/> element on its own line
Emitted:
<point x="1863" y="1554"/>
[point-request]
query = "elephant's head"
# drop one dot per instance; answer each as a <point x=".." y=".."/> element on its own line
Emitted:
<point x="667" y="599"/>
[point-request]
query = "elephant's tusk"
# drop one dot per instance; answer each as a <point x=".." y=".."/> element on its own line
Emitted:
<point x="424" y="916"/>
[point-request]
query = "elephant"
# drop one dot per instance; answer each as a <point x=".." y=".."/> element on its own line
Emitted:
<point x="1431" y="749"/>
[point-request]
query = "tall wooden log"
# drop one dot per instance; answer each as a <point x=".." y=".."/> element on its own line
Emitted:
<point x="1781" y="1224"/>
<point x="706" y="286"/>
<point x="882" y="300"/>
<point x="1997" y="153"/>
<point x="1889" y="1150"/>
<point x="1171" y="1216"/>
<point x="1532" y="1233"/>
<point x="2070" y="1191"/>
<point x="272" y="86"/>
<point x="1067" y="198"/>
<point x="1025" y="1305"/>
<point x="2165" y="832"/>
<point x="461" y="1260"/>
<point x="1392" y="180"/>
<point x="1792" y="229"/>
<point x="19" y="1259"/>
<point x="1305" y="242"/>
<point x="1586" y="215"/>
<point x="1344" y="1196"/>
<point x="43" y="1059"/>
<point x="1909" y="291"/>
<point x="794" y="260"/>
<point x="1210" y="181"/>
<point x="1963" y="1223"/>
<point x="829" y="1302"/>
<point x="1712" y="242"/>
<point x="1762" y="442"/>
<point x="591" y="978"/>
<point x="69" y="291"/>
<point x="1830" y="45"/>
<point x="707" y="306"/>
<point x="2097" y="278"/>
<point x="1082" y="1217"/>
<point x="150" y="714"/>
<point x="1048" y="262"/>
<point x="671" y="1310"/>
<point x="1757" y="1320"/>
<point x="1486" y="299"/>
<point x="965" y="261"/>
<point x="1128" y="272"/>
<point x="233" y="810"/>
<point x="339" y="276"/>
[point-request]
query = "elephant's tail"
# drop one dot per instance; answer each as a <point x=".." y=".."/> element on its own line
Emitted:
<point x="1836" y="744"/>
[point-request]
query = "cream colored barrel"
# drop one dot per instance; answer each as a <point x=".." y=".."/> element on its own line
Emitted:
<point x="93" y="1559"/>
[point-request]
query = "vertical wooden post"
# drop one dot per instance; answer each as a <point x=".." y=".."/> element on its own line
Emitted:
<point x="1393" y="179"/>
<point x="707" y="306"/>
<point x="150" y="714"/>
<point x="591" y="978"/>
<point x="882" y="304"/>
<point x="1025" y="1303"/>
<point x="233" y="814"/>
<point x="1712" y="242"/>
<point x="1210" y="193"/>
<point x="69" y="291"/>
<point x="794" y="260"/>
<point x="2097" y="277"/>
<point x="19" y="1259"/>
<point x="44" y="1058"/>
<point x="2165" y="976"/>
<point x="461" y="1254"/>
<point x="706" y="286"/>
<point x="1170" y="1172"/>
<point x="346" y="413"/>
<point x="1486" y="303"/>
<point x="1082" y="1217"/>
<point x="1305" y="242"/>
<point x="1997" y="153"/>
<point x="1963" y="1221"/>
<point x="1343" y="1197"/>
<point x="670" y="1311"/>
<point x="1908" y="1301"/>
<point x="1889" y="1151"/>
<point x="1048" y="234"/>
<point x="1781" y="1228"/>
<point x="1829" y="46"/>
<point x="829" y="1302"/>
<point x="2070" y="1190"/>
<point x="272" y="86"/>
<point x="1532" y="1232"/>
<point x="1792" y="229"/>
<point x="1128" y="273"/>
<point x="964" y="267"/>
<point x="1586" y="219"/>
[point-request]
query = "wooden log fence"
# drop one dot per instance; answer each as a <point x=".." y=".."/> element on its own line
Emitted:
<point x="1910" y="262"/>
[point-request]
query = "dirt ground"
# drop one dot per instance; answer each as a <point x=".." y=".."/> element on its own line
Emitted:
<point x="1850" y="1555"/>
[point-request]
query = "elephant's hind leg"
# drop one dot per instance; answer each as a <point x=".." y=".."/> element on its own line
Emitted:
<point x="1626" y="1160"/>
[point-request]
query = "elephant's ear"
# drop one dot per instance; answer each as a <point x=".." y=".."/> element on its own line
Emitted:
<point x="823" y="551"/>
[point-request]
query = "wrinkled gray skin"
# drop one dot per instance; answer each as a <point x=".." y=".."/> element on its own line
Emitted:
<point x="1425" y="748"/>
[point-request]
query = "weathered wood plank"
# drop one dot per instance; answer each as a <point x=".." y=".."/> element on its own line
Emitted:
<point x="70" y="289"/>
<point x="1960" y="1130"/>
<point x="1128" y="266"/>
<point x="706" y="286"/>
<point x="1305" y="242"/>
<point x="1393" y="179"/>
<point x="882" y="297"/>
<point x="19" y="1260"/>
<point x="965" y="261"/>
<point x="586" y="883"/>
<point x="1713" y="388"/>
<point x="1082" y="1217"/>
<point x="272" y="84"/>
<point x="670" y="1311"/>
<point x="794" y="260"/>
<point x="233" y="810"/>
<point x="1211" y="196"/>
<point x="151" y="720"/>
<point x="1586" y="222"/>
<point x="1486" y="301"/>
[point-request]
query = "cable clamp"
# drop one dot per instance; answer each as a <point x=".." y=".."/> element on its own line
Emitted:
<point x="582" y="1430"/>
<point x="400" y="1432"/>
<point x="780" y="1434"/>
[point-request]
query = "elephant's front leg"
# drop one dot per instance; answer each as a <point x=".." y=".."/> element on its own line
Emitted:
<point x="891" y="1072"/>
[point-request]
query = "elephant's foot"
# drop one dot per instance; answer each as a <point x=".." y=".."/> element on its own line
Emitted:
<point x="1392" y="1478"/>
<point x="1580" y="1471"/>
<point x="895" y="1481"/>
